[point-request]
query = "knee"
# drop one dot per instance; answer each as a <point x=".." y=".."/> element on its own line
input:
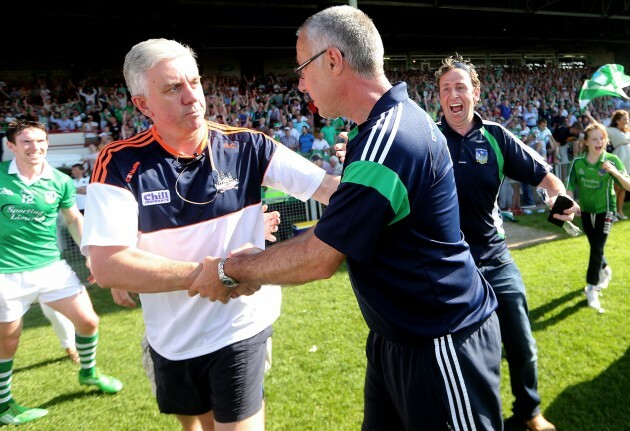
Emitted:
<point x="9" y="345"/>
<point x="88" y="326"/>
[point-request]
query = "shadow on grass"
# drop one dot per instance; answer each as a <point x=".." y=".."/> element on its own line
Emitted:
<point x="536" y="316"/>
<point x="597" y="404"/>
<point x="61" y="399"/>
<point x="41" y="364"/>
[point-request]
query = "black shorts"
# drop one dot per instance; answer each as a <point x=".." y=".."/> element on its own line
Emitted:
<point x="229" y="381"/>
<point x="448" y="383"/>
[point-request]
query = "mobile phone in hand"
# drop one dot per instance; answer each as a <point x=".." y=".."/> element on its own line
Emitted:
<point x="562" y="203"/>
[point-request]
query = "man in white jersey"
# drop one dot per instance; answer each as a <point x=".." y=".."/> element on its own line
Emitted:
<point x="180" y="191"/>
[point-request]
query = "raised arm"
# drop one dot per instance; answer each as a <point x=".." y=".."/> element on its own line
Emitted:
<point x="624" y="180"/>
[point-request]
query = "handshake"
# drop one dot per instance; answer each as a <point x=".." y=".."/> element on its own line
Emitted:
<point x="213" y="283"/>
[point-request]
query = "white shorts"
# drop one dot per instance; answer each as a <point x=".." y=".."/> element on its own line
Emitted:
<point x="19" y="290"/>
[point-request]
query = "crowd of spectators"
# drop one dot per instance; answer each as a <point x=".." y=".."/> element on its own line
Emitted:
<point x="520" y="98"/>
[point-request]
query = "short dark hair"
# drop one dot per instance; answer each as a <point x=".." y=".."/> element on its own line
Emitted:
<point x="16" y="127"/>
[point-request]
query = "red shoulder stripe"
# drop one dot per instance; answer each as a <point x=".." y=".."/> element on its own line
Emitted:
<point x="105" y="155"/>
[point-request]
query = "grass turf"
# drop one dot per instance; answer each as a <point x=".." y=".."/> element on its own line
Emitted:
<point x="316" y="379"/>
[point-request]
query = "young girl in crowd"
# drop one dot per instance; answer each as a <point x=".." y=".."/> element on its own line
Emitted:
<point x="594" y="174"/>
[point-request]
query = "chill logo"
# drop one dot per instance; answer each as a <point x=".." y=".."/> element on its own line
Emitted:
<point x="155" y="198"/>
<point x="26" y="214"/>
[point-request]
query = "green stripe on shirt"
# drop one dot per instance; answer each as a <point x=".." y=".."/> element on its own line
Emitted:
<point x="497" y="151"/>
<point x="383" y="180"/>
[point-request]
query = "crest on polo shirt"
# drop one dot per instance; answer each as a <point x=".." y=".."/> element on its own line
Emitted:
<point x="226" y="182"/>
<point x="50" y="197"/>
<point x="481" y="156"/>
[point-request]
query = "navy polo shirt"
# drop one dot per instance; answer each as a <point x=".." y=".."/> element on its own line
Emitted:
<point x="481" y="159"/>
<point x="395" y="216"/>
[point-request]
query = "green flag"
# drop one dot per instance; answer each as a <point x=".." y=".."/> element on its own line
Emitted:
<point x="608" y="80"/>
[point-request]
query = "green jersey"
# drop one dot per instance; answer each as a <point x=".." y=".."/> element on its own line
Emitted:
<point x="28" y="217"/>
<point x="330" y="133"/>
<point x="339" y="124"/>
<point x="595" y="186"/>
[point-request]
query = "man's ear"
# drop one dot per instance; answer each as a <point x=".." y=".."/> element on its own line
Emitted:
<point x="142" y="106"/>
<point x="334" y="57"/>
<point x="477" y="95"/>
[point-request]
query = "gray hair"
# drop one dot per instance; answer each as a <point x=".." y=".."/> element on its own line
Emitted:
<point x="145" y="56"/>
<point x="352" y="32"/>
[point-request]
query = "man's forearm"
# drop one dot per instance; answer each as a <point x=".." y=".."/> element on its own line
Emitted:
<point x="553" y="185"/>
<point x="296" y="261"/>
<point x="74" y="222"/>
<point x="624" y="180"/>
<point x="139" y="271"/>
<point x="75" y="228"/>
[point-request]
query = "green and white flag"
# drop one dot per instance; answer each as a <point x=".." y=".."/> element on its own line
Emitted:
<point x="608" y="80"/>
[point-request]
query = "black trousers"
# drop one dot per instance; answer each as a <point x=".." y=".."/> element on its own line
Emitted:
<point x="593" y="225"/>
<point x="449" y="383"/>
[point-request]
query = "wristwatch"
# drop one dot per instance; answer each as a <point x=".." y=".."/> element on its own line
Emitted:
<point x="228" y="282"/>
